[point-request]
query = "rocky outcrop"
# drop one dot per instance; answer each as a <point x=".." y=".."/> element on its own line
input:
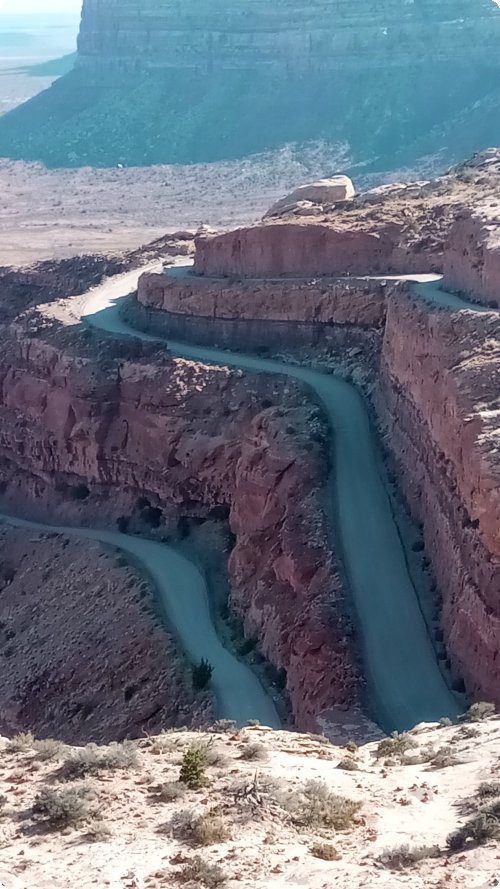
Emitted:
<point x="354" y="302"/>
<point x="162" y="82"/>
<point x="439" y="402"/>
<point x="87" y="421"/>
<point x="472" y="256"/>
<point x="314" y="196"/>
<point x="295" y="250"/>
<point x="102" y="668"/>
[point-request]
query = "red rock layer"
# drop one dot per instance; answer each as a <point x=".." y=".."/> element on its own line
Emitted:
<point x="359" y="303"/>
<point x="438" y="398"/>
<point x="472" y="255"/>
<point x="293" y="249"/>
<point x="195" y="437"/>
<point x="82" y="655"/>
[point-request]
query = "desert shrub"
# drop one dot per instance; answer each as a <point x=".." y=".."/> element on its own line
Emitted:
<point x="403" y="856"/>
<point x="348" y="765"/>
<point x="48" y="749"/>
<point x="98" y="832"/>
<point x="253" y="723"/>
<point x="325" y="851"/>
<point x="210" y="828"/>
<point x="467" y="732"/>
<point x="202" y="674"/>
<point x="445" y="722"/>
<point x="396" y="746"/>
<point x="216" y="757"/>
<point x="225" y="726"/>
<point x="193" y="767"/>
<point x="478" y="712"/>
<point x="169" y="791"/>
<point x="315" y="806"/>
<point x="478" y="830"/>
<point x="488" y="789"/>
<point x="91" y="760"/>
<point x="200" y="871"/>
<point x="444" y="758"/>
<point x="254" y="752"/>
<point x="351" y="747"/>
<point x="69" y="807"/>
<point x="21" y="743"/>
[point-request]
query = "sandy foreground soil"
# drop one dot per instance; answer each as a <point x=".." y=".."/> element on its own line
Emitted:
<point x="138" y="835"/>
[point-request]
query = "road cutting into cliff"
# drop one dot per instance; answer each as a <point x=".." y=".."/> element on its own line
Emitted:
<point x="184" y="597"/>
<point x="405" y="683"/>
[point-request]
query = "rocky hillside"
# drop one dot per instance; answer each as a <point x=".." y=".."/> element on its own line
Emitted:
<point x="256" y="809"/>
<point x="160" y="82"/>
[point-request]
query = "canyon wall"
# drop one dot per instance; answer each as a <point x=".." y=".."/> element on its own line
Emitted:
<point x="284" y="36"/>
<point x="106" y="428"/>
<point x="438" y="400"/>
<point x="472" y="255"/>
<point x="308" y="249"/>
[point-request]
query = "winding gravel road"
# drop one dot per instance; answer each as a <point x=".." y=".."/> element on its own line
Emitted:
<point x="183" y="592"/>
<point x="405" y="683"/>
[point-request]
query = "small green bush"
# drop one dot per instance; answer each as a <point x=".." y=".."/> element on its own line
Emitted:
<point x="69" y="807"/>
<point x="202" y="675"/>
<point x="193" y="767"/>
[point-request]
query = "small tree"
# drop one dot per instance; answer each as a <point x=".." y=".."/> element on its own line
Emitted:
<point x="194" y="764"/>
<point x="202" y="674"/>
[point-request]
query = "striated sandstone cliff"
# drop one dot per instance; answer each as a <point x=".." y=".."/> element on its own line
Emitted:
<point x="193" y="438"/>
<point x="156" y="81"/>
<point x="438" y="400"/>
<point x="472" y="255"/>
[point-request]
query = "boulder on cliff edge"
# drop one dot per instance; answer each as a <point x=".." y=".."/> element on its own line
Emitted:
<point x="324" y="191"/>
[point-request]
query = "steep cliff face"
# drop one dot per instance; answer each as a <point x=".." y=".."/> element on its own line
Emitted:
<point x="472" y="256"/>
<point x="439" y="403"/>
<point x="193" y="437"/>
<point x="317" y="35"/>
<point x="158" y="82"/>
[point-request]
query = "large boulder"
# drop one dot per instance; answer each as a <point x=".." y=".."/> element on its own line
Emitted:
<point x="323" y="192"/>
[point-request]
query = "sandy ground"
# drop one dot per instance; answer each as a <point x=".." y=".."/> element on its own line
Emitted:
<point x="59" y="213"/>
<point x="416" y="802"/>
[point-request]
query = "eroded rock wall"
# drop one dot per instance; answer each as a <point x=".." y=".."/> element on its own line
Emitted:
<point x="195" y="437"/>
<point x="472" y="255"/>
<point x="438" y="399"/>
